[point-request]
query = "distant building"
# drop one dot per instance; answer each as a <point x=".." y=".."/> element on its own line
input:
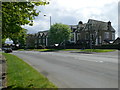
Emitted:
<point x="93" y="32"/>
<point x="41" y="39"/>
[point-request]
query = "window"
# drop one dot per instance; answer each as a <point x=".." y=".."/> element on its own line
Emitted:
<point x="106" y="35"/>
<point x="39" y="40"/>
<point x="72" y="38"/>
<point x="78" y="36"/>
<point x="100" y="39"/>
<point x="113" y="36"/>
<point x="87" y="36"/>
<point x="35" y="41"/>
<point x="96" y="41"/>
<point x="43" y="40"/>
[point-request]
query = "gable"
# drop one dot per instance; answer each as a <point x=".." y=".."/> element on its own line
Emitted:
<point x="98" y="25"/>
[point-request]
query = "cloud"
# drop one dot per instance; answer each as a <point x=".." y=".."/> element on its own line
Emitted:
<point x="119" y="19"/>
<point x="72" y="11"/>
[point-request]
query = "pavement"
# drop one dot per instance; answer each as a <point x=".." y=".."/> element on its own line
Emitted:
<point x="75" y="70"/>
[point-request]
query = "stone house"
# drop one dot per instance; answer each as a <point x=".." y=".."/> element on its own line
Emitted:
<point x="93" y="32"/>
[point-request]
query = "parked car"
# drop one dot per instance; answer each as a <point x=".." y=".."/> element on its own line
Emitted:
<point x="7" y="50"/>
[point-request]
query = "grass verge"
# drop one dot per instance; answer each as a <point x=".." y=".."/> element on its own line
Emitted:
<point x="47" y="50"/>
<point x="98" y="50"/>
<point x="85" y="50"/>
<point x="22" y="75"/>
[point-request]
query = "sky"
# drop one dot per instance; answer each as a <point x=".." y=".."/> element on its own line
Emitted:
<point x="70" y="12"/>
<point x="119" y="19"/>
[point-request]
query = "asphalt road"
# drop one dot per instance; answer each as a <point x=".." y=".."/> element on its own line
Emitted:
<point x="75" y="70"/>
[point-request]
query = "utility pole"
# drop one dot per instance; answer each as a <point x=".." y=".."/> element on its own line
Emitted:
<point x="49" y="29"/>
<point x="50" y="20"/>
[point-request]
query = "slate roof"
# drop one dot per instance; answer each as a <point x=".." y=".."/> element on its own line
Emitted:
<point x="95" y="25"/>
<point x="99" y="24"/>
<point x="41" y="33"/>
<point x="117" y="41"/>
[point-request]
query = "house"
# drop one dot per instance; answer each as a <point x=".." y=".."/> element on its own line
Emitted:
<point x="41" y="39"/>
<point x="93" y="32"/>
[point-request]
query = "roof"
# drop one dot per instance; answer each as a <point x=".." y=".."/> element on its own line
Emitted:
<point x="43" y="31"/>
<point x="117" y="41"/>
<point x="100" y="25"/>
<point x="95" y="25"/>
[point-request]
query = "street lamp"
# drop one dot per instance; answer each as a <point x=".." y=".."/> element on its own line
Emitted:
<point x="50" y="20"/>
<point x="50" y="27"/>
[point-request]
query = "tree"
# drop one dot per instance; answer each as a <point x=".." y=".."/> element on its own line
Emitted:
<point x="15" y="14"/>
<point x="59" y="33"/>
<point x="30" y="41"/>
<point x="20" y="38"/>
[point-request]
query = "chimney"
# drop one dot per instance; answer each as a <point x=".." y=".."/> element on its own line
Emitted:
<point x="80" y="22"/>
<point x="109" y="25"/>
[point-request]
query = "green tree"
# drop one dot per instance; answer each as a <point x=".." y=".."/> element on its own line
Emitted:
<point x="20" y="38"/>
<point x="16" y="14"/>
<point x="59" y="33"/>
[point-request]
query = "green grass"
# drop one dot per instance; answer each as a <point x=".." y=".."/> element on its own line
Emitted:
<point x="47" y="50"/>
<point x="22" y="75"/>
<point x="98" y="50"/>
<point x="69" y="49"/>
<point x="21" y="49"/>
<point x="85" y="50"/>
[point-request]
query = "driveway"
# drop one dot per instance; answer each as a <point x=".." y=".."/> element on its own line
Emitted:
<point x="75" y="70"/>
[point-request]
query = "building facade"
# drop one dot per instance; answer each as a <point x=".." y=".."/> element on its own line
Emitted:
<point x="93" y="32"/>
<point x="41" y="39"/>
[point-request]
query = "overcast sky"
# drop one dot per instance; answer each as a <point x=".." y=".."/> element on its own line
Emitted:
<point x="119" y="19"/>
<point x="70" y="12"/>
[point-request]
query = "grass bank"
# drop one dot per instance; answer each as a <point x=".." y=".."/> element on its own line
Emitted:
<point x="22" y="75"/>
<point x="85" y="50"/>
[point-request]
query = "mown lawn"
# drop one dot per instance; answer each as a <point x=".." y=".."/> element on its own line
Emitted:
<point x="86" y="50"/>
<point x="47" y="50"/>
<point x="22" y="75"/>
<point x="98" y="50"/>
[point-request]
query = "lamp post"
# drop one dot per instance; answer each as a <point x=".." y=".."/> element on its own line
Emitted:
<point x="50" y="19"/>
<point x="47" y="36"/>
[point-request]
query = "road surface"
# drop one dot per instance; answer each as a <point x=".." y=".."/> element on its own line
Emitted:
<point x="75" y="70"/>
